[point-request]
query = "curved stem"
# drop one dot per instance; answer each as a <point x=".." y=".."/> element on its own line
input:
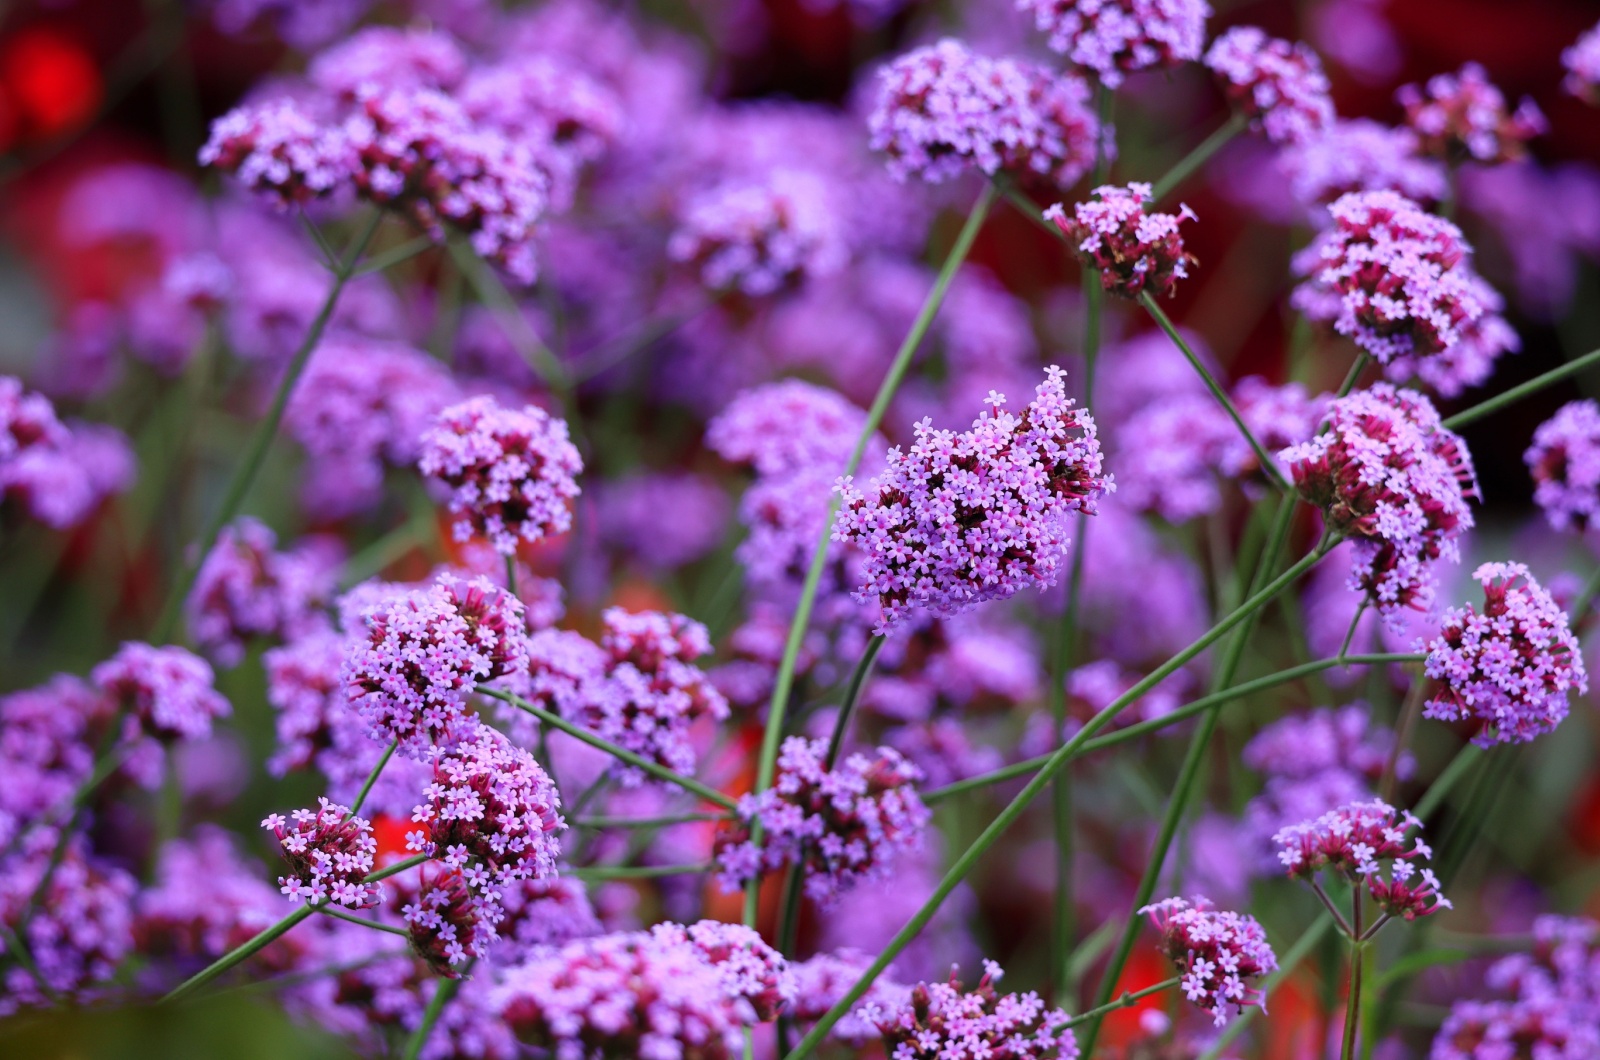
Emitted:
<point x="1517" y="393"/>
<point x="441" y="997"/>
<point x="1198" y="157"/>
<point x="646" y="822"/>
<point x="492" y="292"/>
<point x="245" y="475"/>
<point x="858" y="680"/>
<point x="1125" y="1001"/>
<point x="1458" y="768"/>
<point x="660" y="772"/>
<point x="784" y="681"/>
<point x="1008" y="816"/>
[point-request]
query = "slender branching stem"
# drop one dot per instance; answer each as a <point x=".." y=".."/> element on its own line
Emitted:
<point x="1522" y="390"/>
<point x="1198" y="157"/>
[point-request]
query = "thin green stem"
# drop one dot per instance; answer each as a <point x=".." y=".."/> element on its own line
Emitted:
<point x="245" y="475"/>
<point x="604" y="358"/>
<point x="1352" y="1001"/>
<point x="974" y="853"/>
<point x="1408" y="724"/>
<point x="492" y="292"/>
<point x="1522" y="390"/>
<point x="646" y="822"/>
<point x="1585" y="600"/>
<point x="395" y="255"/>
<point x="1198" y="157"/>
<point x="372" y="778"/>
<point x="858" y="680"/>
<point x="1127" y="1000"/>
<point x="441" y="997"/>
<point x="1286" y="967"/>
<point x="372" y="559"/>
<point x="636" y="872"/>
<point x="340" y="914"/>
<point x="783" y="683"/>
<point x="1354" y="375"/>
<point x="238" y="955"/>
<point x="1459" y="766"/>
<point x="1269" y="466"/>
<point x="396" y="869"/>
<point x="660" y="772"/>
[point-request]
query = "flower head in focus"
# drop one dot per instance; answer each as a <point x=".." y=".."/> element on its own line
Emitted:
<point x="1357" y="841"/>
<point x="330" y="854"/>
<point x="1134" y="249"/>
<point x="1216" y="952"/>
<point x="942" y="1021"/>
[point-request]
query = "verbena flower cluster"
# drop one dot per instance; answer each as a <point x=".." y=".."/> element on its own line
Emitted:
<point x="246" y="589"/>
<point x="330" y="853"/>
<point x="1564" y="461"/>
<point x="1358" y="841"/>
<point x="1279" y="85"/>
<point x="1462" y="116"/>
<point x="55" y="472"/>
<point x="1217" y="953"/>
<point x="1134" y="249"/>
<point x="941" y="1021"/>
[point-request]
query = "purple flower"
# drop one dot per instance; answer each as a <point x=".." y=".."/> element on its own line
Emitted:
<point x="632" y="994"/>
<point x="1479" y="345"/>
<point x="1510" y="667"/>
<point x="1582" y="61"/>
<point x="539" y="914"/>
<point x="277" y="149"/>
<point x="1118" y="37"/>
<point x="246" y="589"/>
<point x="1389" y="476"/>
<point x="1390" y="276"/>
<point x="58" y="473"/>
<point x="166" y="691"/>
<point x="1279" y="85"/>
<point x="47" y="739"/>
<point x="964" y="518"/>
<point x="206" y="900"/>
<point x="1547" y="220"/>
<point x="1564" y="461"/>
<point x="1303" y="745"/>
<point x="787" y="425"/>
<point x="383" y="58"/>
<point x="329" y="852"/>
<point x="943" y="109"/>
<point x="1460" y="117"/>
<point x="759" y="237"/>
<point x="1215" y="951"/>
<point x="1134" y="250"/>
<point x="941" y="1021"/>
<point x="749" y="968"/>
<point x="844" y="825"/>
<point x="1542" y="1027"/>
<point x="822" y="982"/>
<point x="450" y="926"/>
<point x="1354" y="841"/>
<point x="490" y="812"/>
<point x="424" y="652"/>
<point x="361" y="404"/>
<point x="510" y="473"/>
<point x="1361" y="155"/>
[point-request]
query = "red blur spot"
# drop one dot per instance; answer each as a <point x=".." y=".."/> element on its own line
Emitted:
<point x="49" y="80"/>
<point x="390" y="832"/>
<point x="1122" y="1026"/>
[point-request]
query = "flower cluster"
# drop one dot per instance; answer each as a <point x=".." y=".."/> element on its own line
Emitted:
<point x="491" y="812"/>
<point x="167" y="692"/>
<point x="423" y="652"/>
<point x="1216" y="952"/>
<point x="845" y="824"/>
<point x="511" y="474"/>
<point x="749" y="968"/>
<point x="1118" y="37"/>
<point x="1360" y="155"/>
<point x="1134" y="249"/>
<point x="330" y="854"/>
<point x="760" y="237"/>
<point x="1354" y="841"/>
<point x="1510" y="667"/>
<point x="206" y="900"/>
<point x="448" y="924"/>
<point x="1564" y="460"/>
<point x="1390" y="276"/>
<point x="1389" y="476"/>
<point x="1582" y="62"/>
<point x="58" y="473"/>
<point x="1279" y="85"/>
<point x="276" y="149"/>
<point x="941" y="1021"/>
<point x="247" y="589"/>
<point x="943" y="109"/>
<point x="1462" y="116"/>
<point x="979" y="515"/>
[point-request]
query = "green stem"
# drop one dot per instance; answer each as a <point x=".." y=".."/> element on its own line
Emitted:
<point x="238" y="955"/>
<point x="975" y="852"/>
<point x="1458" y="768"/>
<point x="1586" y="598"/>
<point x="646" y="822"/>
<point x="1286" y="966"/>
<point x="1127" y="1000"/>
<point x="635" y="872"/>
<point x="372" y="778"/>
<point x="372" y="559"/>
<point x="1352" y="1001"/>
<point x="395" y="255"/>
<point x="783" y="683"/>
<point x="1517" y="393"/>
<point x="245" y="475"/>
<point x="858" y="680"/>
<point x="511" y="575"/>
<point x="660" y="772"/>
<point x="1269" y="466"/>
<point x="1354" y="375"/>
<point x="1198" y="157"/>
<point x="608" y="356"/>
<point x="486" y="284"/>
<point x="396" y="869"/>
<point x="441" y="997"/>
<point x="340" y="914"/>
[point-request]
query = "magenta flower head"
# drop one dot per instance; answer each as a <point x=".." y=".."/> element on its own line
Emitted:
<point x="247" y="589"/>
<point x="963" y="518"/>
<point x="1564" y="460"/>
<point x="635" y="994"/>
<point x="449" y="925"/>
<point x="167" y="691"/>
<point x="491" y="812"/>
<point x="846" y="825"/>
<point x="329" y="852"/>
<point x="1510" y="667"/>
<point x="1582" y="61"/>
<point x="425" y="651"/>
<point x="1277" y="84"/>
<point x="1461" y="117"/>
<point x="1216" y="953"/>
<point x="1133" y="249"/>
<point x="1118" y="37"/>
<point x="760" y="237"/>
<point x="942" y="1021"/>
<point x="511" y="473"/>
<point x="1538" y="1026"/>
<point x="1390" y="477"/>
<point x="1356" y="841"/>
<point x="1389" y="275"/>
<point x="942" y="110"/>
<point x="280" y="152"/>
<point x="748" y="967"/>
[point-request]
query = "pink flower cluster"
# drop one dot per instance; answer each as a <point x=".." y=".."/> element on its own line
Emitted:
<point x="1118" y="37"/>
<point x="58" y="473"/>
<point x="1279" y="85"/>
<point x="941" y="1021"/>
<point x="1355" y="841"/>
<point x="845" y="825"/>
<point x="330" y="854"/>
<point x="166" y="693"/>
<point x="759" y="237"/>
<point x="1582" y="62"/>
<point x="1216" y="952"/>
<point x="1462" y="116"/>
<point x="449" y="925"/>
<point x="1509" y="668"/>
<point x="1134" y="250"/>
<point x="511" y="474"/>
<point x="1388" y="475"/>
<point x="1564" y="460"/>
<point x="749" y="969"/>
<point x="980" y="515"/>
<point x="943" y="109"/>
<point x="247" y="589"/>
<point x="1391" y="276"/>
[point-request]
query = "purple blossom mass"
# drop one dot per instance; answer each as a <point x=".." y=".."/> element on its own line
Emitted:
<point x="1279" y="85"/>
<point x="1564" y="461"/>
<point x="1216" y="952"/>
<point x="56" y="472"/>
<point x="1582" y="62"/>
<point x="1357" y="841"/>
<point x="1118" y="37"/>
<point x="166" y="692"/>
<point x="1462" y="116"/>
<point x="758" y="238"/>
<point x="247" y="589"/>
<point x="941" y="1021"/>
<point x="1510" y="667"/>
<point x="1133" y="249"/>
<point x="330" y="854"/>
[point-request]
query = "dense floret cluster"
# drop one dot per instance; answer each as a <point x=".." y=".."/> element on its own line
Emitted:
<point x="1134" y="249"/>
